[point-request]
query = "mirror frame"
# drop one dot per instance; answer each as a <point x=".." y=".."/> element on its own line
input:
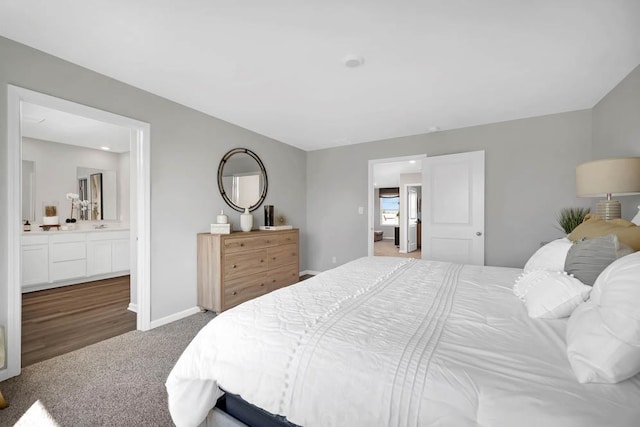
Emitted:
<point x="263" y="172"/>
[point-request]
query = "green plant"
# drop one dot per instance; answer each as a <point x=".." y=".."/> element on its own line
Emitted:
<point x="570" y="218"/>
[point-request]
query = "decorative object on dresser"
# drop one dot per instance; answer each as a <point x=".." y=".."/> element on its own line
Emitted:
<point x="608" y="177"/>
<point x="222" y="225"/>
<point x="220" y="228"/>
<point x="275" y="227"/>
<point x="268" y="215"/>
<point x="237" y="267"/>
<point x="246" y="220"/>
<point x="222" y="218"/>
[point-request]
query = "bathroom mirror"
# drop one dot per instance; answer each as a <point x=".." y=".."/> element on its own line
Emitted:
<point x="98" y="188"/>
<point x="28" y="190"/>
<point x="242" y="179"/>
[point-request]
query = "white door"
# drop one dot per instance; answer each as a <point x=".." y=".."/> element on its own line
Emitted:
<point x="412" y="219"/>
<point x="453" y="208"/>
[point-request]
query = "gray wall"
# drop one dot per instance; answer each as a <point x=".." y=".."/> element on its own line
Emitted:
<point x="186" y="147"/>
<point x="530" y="176"/>
<point x="616" y="129"/>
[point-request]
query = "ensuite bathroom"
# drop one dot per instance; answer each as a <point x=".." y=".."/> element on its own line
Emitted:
<point x="76" y="239"/>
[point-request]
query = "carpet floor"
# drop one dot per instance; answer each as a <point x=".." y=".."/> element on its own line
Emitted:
<point x="117" y="382"/>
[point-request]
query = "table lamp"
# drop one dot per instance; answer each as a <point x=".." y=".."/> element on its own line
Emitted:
<point x="607" y="178"/>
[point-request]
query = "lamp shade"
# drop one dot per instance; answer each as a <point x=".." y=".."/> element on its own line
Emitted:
<point x="619" y="177"/>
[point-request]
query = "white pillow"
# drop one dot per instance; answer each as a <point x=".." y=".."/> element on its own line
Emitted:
<point x="603" y="335"/>
<point x="550" y="294"/>
<point x="636" y="219"/>
<point x="549" y="257"/>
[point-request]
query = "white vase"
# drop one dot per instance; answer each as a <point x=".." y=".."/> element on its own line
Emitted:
<point x="246" y="220"/>
<point x="222" y="218"/>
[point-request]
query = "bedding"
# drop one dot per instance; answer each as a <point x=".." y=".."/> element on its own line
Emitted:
<point x="550" y="257"/>
<point x="550" y="294"/>
<point x="603" y="335"/>
<point x="395" y="342"/>
<point x="594" y="226"/>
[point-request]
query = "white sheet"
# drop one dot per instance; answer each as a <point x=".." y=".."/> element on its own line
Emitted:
<point x="395" y="342"/>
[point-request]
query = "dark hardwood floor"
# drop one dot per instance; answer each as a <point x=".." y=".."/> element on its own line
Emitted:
<point x="57" y="321"/>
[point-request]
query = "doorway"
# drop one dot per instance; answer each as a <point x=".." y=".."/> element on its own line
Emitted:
<point x="389" y="217"/>
<point x="452" y="206"/>
<point x="139" y="133"/>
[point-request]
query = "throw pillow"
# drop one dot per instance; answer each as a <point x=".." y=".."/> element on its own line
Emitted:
<point x="589" y="256"/>
<point x="549" y="257"/>
<point x="603" y="335"/>
<point x="550" y="294"/>
<point x="594" y="226"/>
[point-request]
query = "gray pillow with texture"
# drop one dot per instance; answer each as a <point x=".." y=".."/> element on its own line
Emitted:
<point x="589" y="256"/>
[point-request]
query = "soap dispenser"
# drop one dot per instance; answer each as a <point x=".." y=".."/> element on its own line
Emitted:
<point x="27" y="226"/>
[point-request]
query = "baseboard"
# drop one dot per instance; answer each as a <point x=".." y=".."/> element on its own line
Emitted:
<point x="312" y="272"/>
<point x="388" y="238"/>
<point x="173" y="317"/>
<point x="133" y="307"/>
<point x="4" y="374"/>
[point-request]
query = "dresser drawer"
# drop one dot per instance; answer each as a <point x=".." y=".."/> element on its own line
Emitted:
<point x="242" y="244"/>
<point x="242" y="289"/>
<point x="288" y="238"/>
<point x="283" y="277"/>
<point x="283" y="255"/>
<point x="244" y="263"/>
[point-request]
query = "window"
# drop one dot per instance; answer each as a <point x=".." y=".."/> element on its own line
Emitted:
<point x="389" y="208"/>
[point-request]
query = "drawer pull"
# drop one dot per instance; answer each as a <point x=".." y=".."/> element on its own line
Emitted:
<point x="274" y="258"/>
<point x="268" y="241"/>
<point x="293" y="254"/>
<point x="261" y="284"/>
<point x="235" y="292"/>
<point x="261" y="260"/>
<point x="273" y="281"/>
<point x="241" y="244"/>
<point x="234" y="266"/>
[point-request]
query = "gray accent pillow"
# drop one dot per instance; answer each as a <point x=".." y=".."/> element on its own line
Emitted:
<point x="590" y="255"/>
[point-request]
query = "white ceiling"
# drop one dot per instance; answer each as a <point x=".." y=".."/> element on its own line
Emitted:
<point x="52" y="125"/>
<point x="275" y="67"/>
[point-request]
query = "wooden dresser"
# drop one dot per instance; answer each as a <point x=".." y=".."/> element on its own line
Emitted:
<point x="236" y="267"/>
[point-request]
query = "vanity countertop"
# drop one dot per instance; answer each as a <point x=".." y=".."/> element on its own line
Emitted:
<point x="38" y="230"/>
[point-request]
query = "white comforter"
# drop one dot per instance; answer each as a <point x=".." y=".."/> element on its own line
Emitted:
<point x="395" y="342"/>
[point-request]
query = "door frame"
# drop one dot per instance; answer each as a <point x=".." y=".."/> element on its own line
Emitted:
<point x="140" y="210"/>
<point x="371" y="191"/>
<point x="406" y="217"/>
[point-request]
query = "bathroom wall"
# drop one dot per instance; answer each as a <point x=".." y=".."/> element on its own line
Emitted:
<point x="56" y="172"/>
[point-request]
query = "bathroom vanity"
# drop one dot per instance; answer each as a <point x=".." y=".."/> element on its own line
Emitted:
<point x="58" y="258"/>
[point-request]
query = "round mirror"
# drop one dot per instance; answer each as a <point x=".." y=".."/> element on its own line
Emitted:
<point x="242" y="179"/>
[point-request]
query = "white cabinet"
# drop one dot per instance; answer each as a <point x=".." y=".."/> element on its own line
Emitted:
<point x="99" y="257"/>
<point x="67" y="256"/>
<point x="35" y="260"/>
<point x="120" y="251"/>
<point x="108" y="252"/>
<point x="55" y="259"/>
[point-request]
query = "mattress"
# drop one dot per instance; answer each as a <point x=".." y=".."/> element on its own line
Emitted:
<point x="395" y="342"/>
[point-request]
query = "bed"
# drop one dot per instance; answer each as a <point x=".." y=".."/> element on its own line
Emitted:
<point x="395" y="342"/>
